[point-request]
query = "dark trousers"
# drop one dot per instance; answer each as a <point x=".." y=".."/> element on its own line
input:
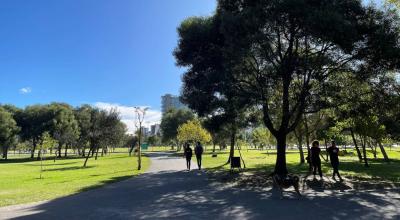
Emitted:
<point x="335" y="167"/>
<point x="198" y="157"/>
<point x="188" y="162"/>
<point x="317" y="166"/>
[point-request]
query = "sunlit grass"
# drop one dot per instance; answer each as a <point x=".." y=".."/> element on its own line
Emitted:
<point x="256" y="160"/>
<point x="20" y="177"/>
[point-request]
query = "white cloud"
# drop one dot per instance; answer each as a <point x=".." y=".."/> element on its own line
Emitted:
<point x="128" y="115"/>
<point x="25" y="90"/>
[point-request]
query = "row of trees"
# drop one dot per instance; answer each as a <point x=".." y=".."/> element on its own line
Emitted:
<point x="85" y="129"/>
<point x="285" y="62"/>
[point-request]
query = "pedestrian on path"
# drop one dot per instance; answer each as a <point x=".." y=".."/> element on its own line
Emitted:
<point x="315" y="158"/>
<point x="188" y="154"/>
<point x="333" y="151"/>
<point x="198" y="150"/>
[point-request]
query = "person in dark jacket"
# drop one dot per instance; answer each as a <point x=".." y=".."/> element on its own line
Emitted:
<point x="198" y="150"/>
<point x="315" y="158"/>
<point x="188" y="154"/>
<point x="333" y="151"/>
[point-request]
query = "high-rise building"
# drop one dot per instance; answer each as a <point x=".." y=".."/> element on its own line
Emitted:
<point x="155" y="129"/>
<point x="169" y="101"/>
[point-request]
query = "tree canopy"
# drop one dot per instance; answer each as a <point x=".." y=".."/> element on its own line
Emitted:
<point x="281" y="56"/>
<point x="193" y="132"/>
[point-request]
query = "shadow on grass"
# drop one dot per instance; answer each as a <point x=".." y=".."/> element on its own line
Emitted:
<point x="28" y="159"/>
<point x="18" y="160"/>
<point x="69" y="168"/>
<point x="51" y="164"/>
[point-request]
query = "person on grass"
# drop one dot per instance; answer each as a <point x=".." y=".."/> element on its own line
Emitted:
<point x="315" y="158"/>
<point x="333" y="151"/>
<point x="188" y="154"/>
<point x="198" y="150"/>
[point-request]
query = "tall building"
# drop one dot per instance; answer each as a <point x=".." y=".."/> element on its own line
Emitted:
<point x="155" y="129"/>
<point x="169" y="101"/>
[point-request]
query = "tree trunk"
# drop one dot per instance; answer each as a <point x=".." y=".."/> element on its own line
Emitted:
<point x="66" y="150"/>
<point x="34" y="148"/>
<point x="59" y="149"/>
<point x="39" y="155"/>
<point x="356" y="146"/>
<point x="308" y="144"/>
<point x="5" y="152"/>
<point x="372" y="148"/>
<point x="364" y="153"/>
<point x="280" y="165"/>
<point x="140" y="148"/>
<point x="83" y="152"/>
<point x="300" y="146"/>
<point x="385" y="156"/>
<point x="97" y="153"/>
<point x="88" y="155"/>
<point x="232" y="148"/>
<point x="326" y="150"/>
<point x="302" y="160"/>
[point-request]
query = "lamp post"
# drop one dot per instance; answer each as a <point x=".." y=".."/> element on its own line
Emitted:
<point x="140" y="113"/>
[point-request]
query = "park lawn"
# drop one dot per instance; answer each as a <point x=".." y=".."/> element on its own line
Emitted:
<point x="20" y="182"/>
<point x="257" y="160"/>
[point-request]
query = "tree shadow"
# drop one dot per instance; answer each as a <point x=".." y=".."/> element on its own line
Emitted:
<point x="69" y="168"/>
<point x="53" y="164"/>
<point x="18" y="160"/>
<point x="187" y="195"/>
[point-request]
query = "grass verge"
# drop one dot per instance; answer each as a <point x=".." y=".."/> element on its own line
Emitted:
<point x="20" y="176"/>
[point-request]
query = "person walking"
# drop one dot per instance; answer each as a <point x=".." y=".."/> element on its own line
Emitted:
<point x="188" y="154"/>
<point x="333" y="151"/>
<point x="315" y="158"/>
<point x="198" y="150"/>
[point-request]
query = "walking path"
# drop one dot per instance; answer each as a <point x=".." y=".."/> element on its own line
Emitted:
<point x="168" y="191"/>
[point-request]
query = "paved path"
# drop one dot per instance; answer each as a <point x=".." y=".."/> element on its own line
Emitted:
<point x="167" y="191"/>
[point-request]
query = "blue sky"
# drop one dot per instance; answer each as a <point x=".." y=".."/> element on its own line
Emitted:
<point x="91" y="51"/>
<point x="108" y="53"/>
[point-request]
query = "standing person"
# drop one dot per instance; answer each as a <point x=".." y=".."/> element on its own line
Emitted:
<point x="188" y="154"/>
<point x="333" y="151"/>
<point x="315" y="158"/>
<point x="198" y="150"/>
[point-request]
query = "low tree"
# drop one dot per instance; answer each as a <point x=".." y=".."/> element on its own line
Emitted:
<point x="193" y="132"/>
<point x="261" y="137"/>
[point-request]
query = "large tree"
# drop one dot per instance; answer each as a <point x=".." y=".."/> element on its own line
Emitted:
<point x="83" y="116"/>
<point x="8" y="131"/>
<point x="280" y="54"/>
<point x="105" y="129"/>
<point x="64" y="127"/>
<point x="34" y="121"/>
<point x="170" y="122"/>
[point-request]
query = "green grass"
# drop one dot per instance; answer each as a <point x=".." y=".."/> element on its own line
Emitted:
<point x="256" y="160"/>
<point x="20" y="182"/>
